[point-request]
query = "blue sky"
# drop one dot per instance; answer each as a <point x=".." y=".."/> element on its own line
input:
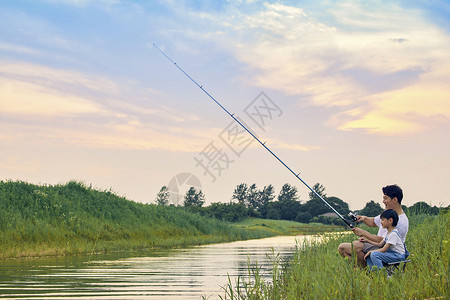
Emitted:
<point x="362" y="87"/>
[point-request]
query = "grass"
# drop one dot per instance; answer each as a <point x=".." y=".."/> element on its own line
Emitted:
<point x="72" y="218"/>
<point x="283" y="227"/>
<point x="318" y="272"/>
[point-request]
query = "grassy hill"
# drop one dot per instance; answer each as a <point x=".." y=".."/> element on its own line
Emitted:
<point x="38" y="220"/>
<point x="284" y="227"/>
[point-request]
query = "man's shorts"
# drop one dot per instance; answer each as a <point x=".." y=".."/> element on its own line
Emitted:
<point x="369" y="247"/>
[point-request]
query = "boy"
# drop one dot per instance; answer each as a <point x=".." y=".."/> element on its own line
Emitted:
<point x="392" y="248"/>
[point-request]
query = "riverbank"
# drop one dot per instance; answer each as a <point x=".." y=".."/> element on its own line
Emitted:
<point x="317" y="271"/>
<point x="69" y="219"/>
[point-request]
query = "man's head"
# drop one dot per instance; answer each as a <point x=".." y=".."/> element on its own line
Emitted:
<point x="389" y="216"/>
<point x="392" y="196"/>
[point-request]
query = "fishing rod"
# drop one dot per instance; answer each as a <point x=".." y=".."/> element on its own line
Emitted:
<point x="256" y="138"/>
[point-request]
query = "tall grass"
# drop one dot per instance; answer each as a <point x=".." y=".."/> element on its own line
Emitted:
<point x="317" y="271"/>
<point x="72" y="218"/>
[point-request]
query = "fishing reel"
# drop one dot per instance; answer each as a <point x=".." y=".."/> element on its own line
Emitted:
<point x="353" y="216"/>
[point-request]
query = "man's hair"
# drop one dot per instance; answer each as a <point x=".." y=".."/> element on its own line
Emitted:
<point x="393" y="191"/>
<point x="388" y="214"/>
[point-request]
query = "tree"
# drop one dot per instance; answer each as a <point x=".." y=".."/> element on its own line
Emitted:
<point x="252" y="197"/>
<point x="423" y="208"/>
<point x="265" y="196"/>
<point x="194" y="197"/>
<point x="287" y="205"/>
<point x="338" y="204"/>
<point x="303" y="217"/>
<point x="371" y="209"/>
<point x="162" y="198"/>
<point x="320" y="190"/>
<point x="240" y="193"/>
<point x="288" y="192"/>
<point x="315" y="206"/>
<point x="261" y="200"/>
<point x="231" y="212"/>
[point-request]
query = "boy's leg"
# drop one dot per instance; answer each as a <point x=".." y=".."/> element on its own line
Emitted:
<point x="376" y="259"/>
<point x="389" y="256"/>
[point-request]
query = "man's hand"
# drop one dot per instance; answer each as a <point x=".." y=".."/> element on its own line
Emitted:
<point x="360" y="218"/>
<point x="358" y="231"/>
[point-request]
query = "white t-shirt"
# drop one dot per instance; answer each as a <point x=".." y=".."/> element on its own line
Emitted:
<point x="402" y="226"/>
<point x="396" y="242"/>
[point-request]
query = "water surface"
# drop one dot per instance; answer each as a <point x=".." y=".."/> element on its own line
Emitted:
<point x="176" y="274"/>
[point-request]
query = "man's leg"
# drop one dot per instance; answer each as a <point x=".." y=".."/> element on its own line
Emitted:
<point x="345" y="250"/>
<point x="358" y="248"/>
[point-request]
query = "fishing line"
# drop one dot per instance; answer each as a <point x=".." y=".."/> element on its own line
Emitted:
<point x="254" y="136"/>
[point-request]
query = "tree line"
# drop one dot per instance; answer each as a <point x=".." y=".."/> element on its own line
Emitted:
<point x="251" y="201"/>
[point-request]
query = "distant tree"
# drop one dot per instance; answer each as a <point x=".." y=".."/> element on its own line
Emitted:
<point x="288" y="192"/>
<point x="315" y="206"/>
<point x="287" y="205"/>
<point x="303" y="217"/>
<point x="320" y="190"/>
<point x="423" y="208"/>
<point x="338" y="204"/>
<point x="162" y="198"/>
<point x="371" y="209"/>
<point x="231" y="212"/>
<point x="264" y="197"/>
<point x="240" y="193"/>
<point x="272" y="211"/>
<point x="252" y="197"/>
<point x="258" y="199"/>
<point x="194" y="197"/>
<point x="289" y="209"/>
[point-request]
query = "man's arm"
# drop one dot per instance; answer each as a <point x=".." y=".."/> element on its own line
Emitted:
<point x="369" y="221"/>
<point x="367" y="235"/>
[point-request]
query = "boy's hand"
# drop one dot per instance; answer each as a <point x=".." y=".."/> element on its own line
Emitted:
<point x="368" y="254"/>
<point x="362" y="239"/>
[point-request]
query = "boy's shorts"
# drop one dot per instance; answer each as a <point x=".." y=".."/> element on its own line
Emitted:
<point x="369" y="247"/>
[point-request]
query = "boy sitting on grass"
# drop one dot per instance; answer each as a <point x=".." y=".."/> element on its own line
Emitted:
<point x="392" y="248"/>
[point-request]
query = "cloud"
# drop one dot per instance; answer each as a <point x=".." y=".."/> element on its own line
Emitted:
<point x="27" y="89"/>
<point x="50" y="104"/>
<point x="368" y="57"/>
<point x="404" y="111"/>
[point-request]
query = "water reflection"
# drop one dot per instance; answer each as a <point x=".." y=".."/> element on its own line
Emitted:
<point x="176" y="274"/>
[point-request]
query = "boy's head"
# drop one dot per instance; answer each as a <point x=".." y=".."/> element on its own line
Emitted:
<point x="390" y="214"/>
<point x="392" y="193"/>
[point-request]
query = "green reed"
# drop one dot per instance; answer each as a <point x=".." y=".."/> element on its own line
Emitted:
<point x="317" y="271"/>
<point x="72" y="218"/>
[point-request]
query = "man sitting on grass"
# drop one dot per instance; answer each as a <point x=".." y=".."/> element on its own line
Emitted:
<point x="392" y="199"/>
<point x="392" y="248"/>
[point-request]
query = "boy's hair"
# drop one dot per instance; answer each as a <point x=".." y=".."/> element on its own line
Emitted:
<point x="388" y="214"/>
<point x="393" y="191"/>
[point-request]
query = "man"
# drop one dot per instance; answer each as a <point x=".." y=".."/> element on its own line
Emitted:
<point x="392" y="199"/>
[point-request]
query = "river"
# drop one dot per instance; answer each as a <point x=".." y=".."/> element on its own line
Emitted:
<point x="188" y="273"/>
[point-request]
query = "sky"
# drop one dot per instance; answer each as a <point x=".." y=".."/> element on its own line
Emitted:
<point x="351" y="94"/>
